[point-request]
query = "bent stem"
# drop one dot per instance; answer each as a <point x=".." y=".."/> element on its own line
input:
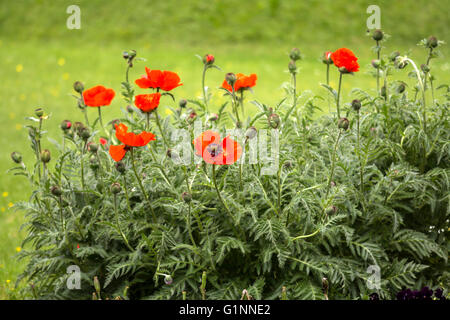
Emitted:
<point x="338" y="96"/>
<point x="118" y="224"/>
<point x="141" y="186"/>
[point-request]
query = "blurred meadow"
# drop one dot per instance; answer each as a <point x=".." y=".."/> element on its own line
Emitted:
<point x="40" y="58"/>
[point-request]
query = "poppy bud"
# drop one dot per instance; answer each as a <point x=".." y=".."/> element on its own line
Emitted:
<point x="377" y="35"/>
<point x="56" y="191"/>
<point x="120" y="166"/>
<point x="192" y="116"/>
<point x="326" y="58"/>
<point x="238" y="124"/>
<point x="375" y="63"/>
<point x="394" y="55"/>
<point x="292" y="67"/>
<point x="425" y="68"/>
<point x="213" y="117"/>
<point x="343" y="123"/>
<point x="274" y="120"/>
<point x="66" y="125"/>
<point x="16" y="157"/>
<point x="93" y="161"/>
<point x="401" y="87"/>
<point x="208" y="59"/>
<point x="331" y="210"/>
<point x="97" y="285"/>
<point x="288" y="164"/>
<point x="230" y="78"/>
<point x="168" y="279"/>
<point x="116" y="188"/>
<point x="92" y="147"/>
<point x="186" y="196"/>
<point x="125" y="55"/>
<point x="85" y="134"/>
<point x="383" y="91"/>
<point x="39" y="112"/>
<point x="81" y="104"/>
<point x="356" y="105"/>
<point x="114" y="122"/>
<point x="295" y="54"/>
<point x="432" y="42"/>
<point x="182" y="103"/>
<point x="45" y="156"/>
<point x="78" y="87"/>
<point x="130" y="109"/>
<point x="78" y="126"/>
<point x="251" y="133"/>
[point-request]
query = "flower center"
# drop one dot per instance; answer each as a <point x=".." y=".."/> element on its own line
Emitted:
<point x="214" y="149"/>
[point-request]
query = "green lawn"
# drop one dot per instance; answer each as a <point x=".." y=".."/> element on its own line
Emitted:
<point x="40" y="72"/>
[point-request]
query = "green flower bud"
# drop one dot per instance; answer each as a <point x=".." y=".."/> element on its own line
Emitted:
<point x="383" y="91"/>
<point x="375" y="63"/>
<point x="120" y="166"/>
<point x="85" y="134"/>
<point x="274" y="120"/>
<point x="425" y="68"/>
<point x="168" y="279"/>
<point x="326" y="57"/>
<point x="356" y="105"/>
<point x="343" y="123"/>
<point x="92" y="147"/>
<point x="331" y="210"/>
<point x="251" y="133"/>
<point x="401" y="87"/>
<point x="394" y="56"/>
<point x="186" y="196"/>
<point x="116" y="188"/>
<point x="16" y="157"/>
<point x="114" y="122"/>
<point x="56" y="191"/>
<point x="93" y="162"/>
<point x="45" y="156"/>
<point x="377" y="35"/>
<point x="295" y="54"/>
<point x="39" y="112"/>
<point x="213" y="117"/>
<point x="292" y="67"/>
<point x="78" y="126"/>
<point x="78" y="87"/>
<point x="66" y="125"/>
<point x="130" y="109"/>
<point x="432" y="42"/>
<point x="208" y="59"/>
<point x="230" y="78"/>
<point x="182" y="103"/>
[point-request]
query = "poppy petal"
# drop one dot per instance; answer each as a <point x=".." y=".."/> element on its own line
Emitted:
<point x="117" y="152"/>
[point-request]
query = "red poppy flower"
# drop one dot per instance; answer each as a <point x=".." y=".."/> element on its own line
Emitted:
<point x="157" y="79"/>
<point x="103" y="141"/>
<point x="147" y="102"/>
<point x="242" y="82"/>
<point x="214" y="151"/>
<point x="129" y="140"/>
<point x="98" y="96"/>
<point x="345" y="58"/>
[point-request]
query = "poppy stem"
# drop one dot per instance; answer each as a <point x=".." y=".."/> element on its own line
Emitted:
<point x="233" y="101"/>
<point x="141" y="186"/>
<point x="82" y="166"/>
<point x="338" y="96"/>
<point x="359" y="154"/>
<point x="242" y="104"/>
<point x="101" y="121"/>
<point x="125" y="186"/>
<point x="203" y="88"/>
<point x="158" y="123"/>
<point x="333" y="163"/>
<point x="328" y="84"/>
<point x="148" y="121"/>
<point x="118" y="225"/>
<point x="378" y="69"/>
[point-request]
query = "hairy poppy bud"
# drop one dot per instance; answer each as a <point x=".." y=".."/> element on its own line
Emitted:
<point x="78" y="86"/>
<point x="401" y="87"/>
<point x="343" y="123"/>
<point x="39" y="112"/>
<point x="16" y="157"/>
<point x="208" y="59"/>
<point x="295" y="54"/>
<point x="45" y="156"/>
<point x="274" y="120"/>
<point x="251" y="133"/>
<point x="92" y="147"/>
<point x="130" y="109"/>
<point x="394" y="55"/>
<point x="432" y="42"/>
<point x="120" y="166"/>
<point x="375" y="63"/>
<point x="331" y="210"/>
<point x="192" y="116"/>
<point x="93" y="162"/>
<point x="56" y="191"/>
<point x="168" y="279"/>
<point x="116" y="188"/>
<point x="356" y="105"/>
<point x="377" y="35"/>
<point x="425" y="68"/>
<point x="78" y="126"/>
<point x="292" y="67"/>
<point x="186" y="196"/>
<point x="238" y="124"/>
<point x="230" y="78"/>
<point x="326" y="57"/>
<point x="182" y="103"/>
<point x="66" y="125"/>
<point x="85" y="134"/>
<point x="288" y="164"/>
<point x="213" y="117"/>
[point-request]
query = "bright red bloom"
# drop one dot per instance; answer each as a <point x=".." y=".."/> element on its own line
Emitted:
<point x="157" y="79"/>
<point x="214" y="151"/>
<point x="345" y="58"/>
<point x="129" y="140"/>
<point x="103" y="141"/>
<point x="98" y="96"/>
<point x="147" y="102"/>
<point x="242" y="82"/>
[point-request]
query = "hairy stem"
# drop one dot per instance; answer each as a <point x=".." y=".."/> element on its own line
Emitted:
<point x="118" y="224"/>
<point x="333" y="164"/>
<point x="339" y="96"/>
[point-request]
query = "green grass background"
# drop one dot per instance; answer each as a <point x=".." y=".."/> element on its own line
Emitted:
<point x="40" y="59"/>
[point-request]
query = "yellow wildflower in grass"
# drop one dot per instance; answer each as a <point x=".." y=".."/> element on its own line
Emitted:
<point x="18" y="126"/>
<point x="8" y="281"/>
<point x="10" y="205"/>
<point x="12" y="115"/>
<point x="168" y="112"/>
<point x="18" y="249"/>
<point x="3" y="209"/>
<point x="5" y="194"/>
<point x="65" y="76"/>
<point x="19" y="68"/>
<point x="61" y="61"/>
